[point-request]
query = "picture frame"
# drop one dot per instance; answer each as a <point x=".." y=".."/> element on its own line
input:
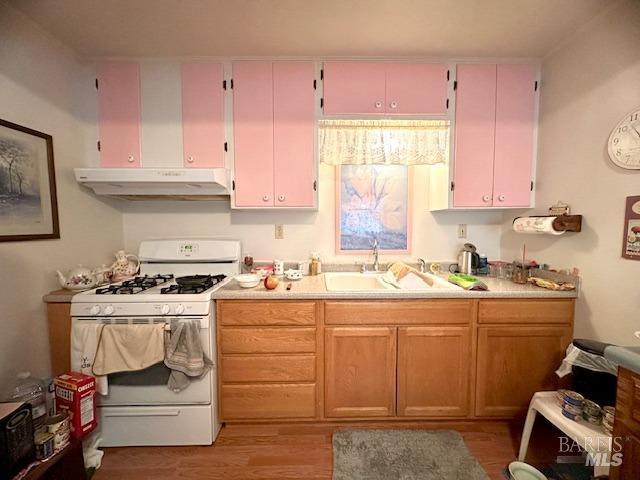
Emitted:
<point x="631" y="234"/>
<point x="394" y="241"/>
<point x="28" y="197"/>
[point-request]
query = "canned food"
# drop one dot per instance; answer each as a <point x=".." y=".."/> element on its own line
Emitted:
<point x="560" y="396"/>
<point x="592" y="419"/>
<point x="591" y="408"/>
<point x="573" y="398"/>
<point x="609" y="413"/>
<point x="573" y="409"/>
<point x="58" y="425"/>
<point x="570" y="416"/>
<point x="44" y="445"/>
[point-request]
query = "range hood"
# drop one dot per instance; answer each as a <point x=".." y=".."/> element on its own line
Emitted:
<point x="157" y="183"/>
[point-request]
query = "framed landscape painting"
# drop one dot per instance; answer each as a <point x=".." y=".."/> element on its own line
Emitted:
<point x="28" y="204"/>
<point x="373" y="204"/>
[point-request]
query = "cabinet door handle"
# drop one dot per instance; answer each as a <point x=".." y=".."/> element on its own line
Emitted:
<point x="265" y="198"/>
<point x="281" y="198"/>
<point x="393" y="104"/>
<point x="130" y="158"/>
<point x="501" y="198"/>
<point x="486" y="198"/>
<point x="378" y="104"/>
<point x="190" y="159"/>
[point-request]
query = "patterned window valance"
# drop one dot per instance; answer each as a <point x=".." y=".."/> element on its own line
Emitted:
<point x="383" y="142"/>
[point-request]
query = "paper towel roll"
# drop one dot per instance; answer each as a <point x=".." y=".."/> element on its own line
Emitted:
<point x="535" y="225"/>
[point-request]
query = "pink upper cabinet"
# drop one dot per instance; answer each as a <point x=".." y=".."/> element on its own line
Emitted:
<point x="474" y="135"/>
<point x="253" y="133"/>
<point x="354" y="88"/>
<point x="119" y="114"/>
<point x="515" y="103"/>
<point x="203" y="115"/>
<point x="416" y="89"/>
<point x="293" y="134"/>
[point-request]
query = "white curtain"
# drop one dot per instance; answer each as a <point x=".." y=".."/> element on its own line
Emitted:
<point x="383" y="142"/>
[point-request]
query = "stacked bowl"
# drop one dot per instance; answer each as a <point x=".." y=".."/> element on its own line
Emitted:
<point x="572" y="404"/>
<point x="608" y="416"/>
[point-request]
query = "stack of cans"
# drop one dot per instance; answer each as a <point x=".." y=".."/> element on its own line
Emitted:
<point x="592" y="412"/>
<point x="608" y="416"/>
<point x="572" y="404"/>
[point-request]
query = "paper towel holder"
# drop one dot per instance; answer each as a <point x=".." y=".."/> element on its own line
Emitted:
<point x="562" y="223"/>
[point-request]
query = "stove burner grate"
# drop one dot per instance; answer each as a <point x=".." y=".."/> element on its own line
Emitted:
<point x="192" y="285"/>
<point x="134" y="285"/>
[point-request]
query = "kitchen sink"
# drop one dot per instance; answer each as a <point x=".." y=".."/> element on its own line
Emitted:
<point x="350" y="282"/>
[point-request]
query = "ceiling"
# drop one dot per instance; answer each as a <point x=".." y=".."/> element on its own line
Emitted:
<point x="461" y="28"/>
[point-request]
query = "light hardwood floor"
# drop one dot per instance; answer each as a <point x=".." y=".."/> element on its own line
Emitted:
<point x="287" y="452"/>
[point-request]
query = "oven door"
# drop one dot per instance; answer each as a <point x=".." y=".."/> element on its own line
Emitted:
<point x="149" y="386"/>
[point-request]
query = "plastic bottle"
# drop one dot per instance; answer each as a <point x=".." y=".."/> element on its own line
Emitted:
<point x="30" y="390"/>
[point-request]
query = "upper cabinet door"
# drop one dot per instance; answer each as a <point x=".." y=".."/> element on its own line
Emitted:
<point x="354" y="88"/>
<point x="119" y="114"/>
<point x="253" y="133"/>
<point x="514" y="136"/>
<point x="474" y="135"/>
<point x="416" y="89"/>
<point x="293" y="134"/>
<point x="203" y="115"/>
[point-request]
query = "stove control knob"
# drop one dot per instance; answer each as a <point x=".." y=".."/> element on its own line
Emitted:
<point x="95" y="310"/>
<point x="108" y="310"/>
<point x="179" y="309"/>
<point x="165" y="309"/>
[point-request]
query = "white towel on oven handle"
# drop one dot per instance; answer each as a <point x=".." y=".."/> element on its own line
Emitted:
<point x="84" y="344"/>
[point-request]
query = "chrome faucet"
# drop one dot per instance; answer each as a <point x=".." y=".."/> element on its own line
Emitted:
<point x="423" y="265"/>
<point x="376" y="264"/>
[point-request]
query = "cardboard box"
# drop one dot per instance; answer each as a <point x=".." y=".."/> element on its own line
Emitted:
<point x="75" y="393"/>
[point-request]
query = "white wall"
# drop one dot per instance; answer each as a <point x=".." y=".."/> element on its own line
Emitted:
<point x="434" y="235"/>
<point x="38" y="84"/>
<point x="589" y="83"/>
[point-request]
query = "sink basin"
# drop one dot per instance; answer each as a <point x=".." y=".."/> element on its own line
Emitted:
<point x="352" y="282"/>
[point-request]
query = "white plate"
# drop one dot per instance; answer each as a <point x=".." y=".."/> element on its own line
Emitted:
<point x="524" y="471"/>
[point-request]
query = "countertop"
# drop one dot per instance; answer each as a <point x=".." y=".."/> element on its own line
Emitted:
<point x="627" y="357"/>
<point x="313" y="287"/>
<point x="59" y="296"/>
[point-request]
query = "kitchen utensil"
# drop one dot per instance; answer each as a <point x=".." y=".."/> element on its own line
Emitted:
<point x="125" y="266"/>
<point x="288" y="286"/>
<point x="293" y="274"/>
<point x="468" y="260"/>
<point x="248" y="280"/>
<point x="524" y="471"/>
<point x="80" y="278"/>
<point x="278" y="267"/>
<point x="192" y="280"/>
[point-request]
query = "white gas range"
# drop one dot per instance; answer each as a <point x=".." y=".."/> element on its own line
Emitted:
<point x="176" y="282"/>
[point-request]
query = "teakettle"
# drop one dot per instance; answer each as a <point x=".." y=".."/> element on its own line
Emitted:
<point x="468" y="260"/>
<point x="125" y="266"/>
<point x="80" y="278"/>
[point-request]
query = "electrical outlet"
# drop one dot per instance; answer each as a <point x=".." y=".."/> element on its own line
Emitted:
<point x="279" y="232"/>
<point x="462" y="230"/>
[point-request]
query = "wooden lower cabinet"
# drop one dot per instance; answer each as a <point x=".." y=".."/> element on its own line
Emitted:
<point x="268" y="401"/>
<point x="360" y="371"/>
<point x="514" y="362"/>
<point x="434" y="371"/>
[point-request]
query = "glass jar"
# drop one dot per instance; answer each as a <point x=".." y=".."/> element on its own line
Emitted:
<point x="30" y="390"/>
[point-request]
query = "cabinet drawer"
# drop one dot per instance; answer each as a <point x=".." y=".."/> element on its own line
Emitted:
<point x="268" y="340"/>
<point x="545" y="311"/>
<point x="267" y="313"/>
<point x="245" y="402"/>
<point x="399" y="312"/>
<point x="276" y="368"/>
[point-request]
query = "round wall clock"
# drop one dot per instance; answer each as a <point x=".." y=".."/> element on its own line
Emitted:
<point x="624" y="141"/>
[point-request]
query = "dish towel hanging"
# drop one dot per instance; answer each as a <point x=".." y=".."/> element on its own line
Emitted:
<point x="84" y="343"/>
<point x="129" y="348"/>
<point x="184" y="354"/>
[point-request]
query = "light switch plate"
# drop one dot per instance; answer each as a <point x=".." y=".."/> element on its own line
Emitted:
<point x="279" y="232"/>
<point x="462" y="230"/>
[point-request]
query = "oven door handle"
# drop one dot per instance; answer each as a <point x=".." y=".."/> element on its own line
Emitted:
<point x="143" y="413"/>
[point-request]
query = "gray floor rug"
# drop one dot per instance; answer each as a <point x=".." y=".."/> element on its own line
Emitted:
<point x="403" y="455"/>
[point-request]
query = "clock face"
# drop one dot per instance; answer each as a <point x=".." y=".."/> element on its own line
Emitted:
<point x="624" y="142"/>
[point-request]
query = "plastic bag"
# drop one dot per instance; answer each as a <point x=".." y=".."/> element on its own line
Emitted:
<point x="590" y="361"/>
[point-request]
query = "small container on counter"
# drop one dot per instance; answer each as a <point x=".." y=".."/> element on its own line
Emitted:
<point x="315" y="267"/>
<point x="44" y="445"/>
<point x="60" y="428"/>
